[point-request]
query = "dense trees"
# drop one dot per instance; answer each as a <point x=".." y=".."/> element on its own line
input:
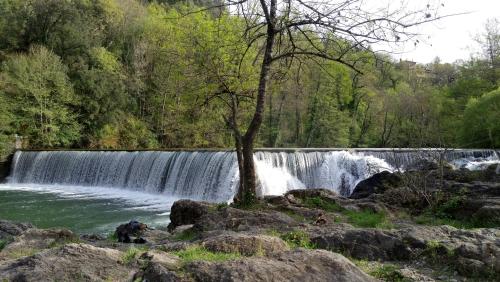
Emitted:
<point x="132" y="74"/>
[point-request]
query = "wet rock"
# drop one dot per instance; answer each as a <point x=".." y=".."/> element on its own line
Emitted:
<point x="297" y="265"/>
<point x="185" y="212"/>
<point x="376" y="184"/>
<point x="69" y="263"/>
<point x="10" y="229"/>
<point x="134" y="228"/>
<point x="247" y="245"/>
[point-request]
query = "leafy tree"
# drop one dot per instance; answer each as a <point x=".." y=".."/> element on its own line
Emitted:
<point x="481" y="126"/>
<point x="43" y="98"/>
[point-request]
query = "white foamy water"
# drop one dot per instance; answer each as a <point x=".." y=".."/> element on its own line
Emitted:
<point x="211" y="176"/>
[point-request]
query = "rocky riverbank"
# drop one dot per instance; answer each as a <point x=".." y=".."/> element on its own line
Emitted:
<point x="436" y="224"/>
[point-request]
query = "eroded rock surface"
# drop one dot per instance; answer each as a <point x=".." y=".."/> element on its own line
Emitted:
<point x="70" y="262"/>
<point x="296" y="265"/>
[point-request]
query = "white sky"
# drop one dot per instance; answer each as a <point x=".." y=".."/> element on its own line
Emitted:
<point x="452" y="38"/>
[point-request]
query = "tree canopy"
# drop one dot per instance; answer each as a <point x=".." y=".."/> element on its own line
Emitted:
<point x="150" y="74"/>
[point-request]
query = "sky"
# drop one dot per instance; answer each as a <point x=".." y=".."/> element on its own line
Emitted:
<point x="451" y="38"/>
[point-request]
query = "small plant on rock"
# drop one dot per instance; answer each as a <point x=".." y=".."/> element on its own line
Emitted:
<point x="388" y="273"/>
<point x="298" y="239"/>
<point x="129" y="256"/>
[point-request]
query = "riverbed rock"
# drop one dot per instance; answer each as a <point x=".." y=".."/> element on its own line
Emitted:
<point x="363" y="243"/>
<point x="70" y="262"/>
<point x="155" y="272"/>
<point x="184" y="212"/>
<point x="296" y="265"/>
<point x="166" y="260"/>
<point x="9" y="229"/>
<point x="33" y="240"/>
<point x="247" y="245"/>
<point x="229" y="218"/>
<point x="376" y="184"/>
<point x="445" y="243"/>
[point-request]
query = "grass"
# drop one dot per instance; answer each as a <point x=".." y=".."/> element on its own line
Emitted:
<point x="367" y="218"/>
<point x="363" y="218"/>
<point x="186" y="235"/>
<point x="22" y="252"/>
<point x="321" y="203"/>
<point x="431" y="218"/>
<point x="298" y="239"/>
<point x="197" y="253"/>
<point x="384" y="272"/>
<point x="131" y="254"/>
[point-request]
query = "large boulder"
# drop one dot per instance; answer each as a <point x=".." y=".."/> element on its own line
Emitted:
<point x="230" y="218"/>
<point x="297" y="265"/>
<point x="185" y="212"/>
<point x="468" y="250"/>
<point x="72" y="262"/>
<point x="376" y="184"/>
<point x="363" y="243"/>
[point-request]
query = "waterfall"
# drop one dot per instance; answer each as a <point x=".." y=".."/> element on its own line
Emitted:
<point x="213" y="176"/>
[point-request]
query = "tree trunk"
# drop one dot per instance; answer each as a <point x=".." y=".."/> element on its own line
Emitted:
<point x="248" y="191"/>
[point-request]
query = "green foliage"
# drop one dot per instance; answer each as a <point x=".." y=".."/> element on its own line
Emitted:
<point x="321" y="203"/>
<point x="43" y="97"/>
<point x="298" y="239"/>
<point x="368" y="218"/>
<point x="481" y="126"/>
<point x="137" y="74"/>
<point x="198" y="253"/>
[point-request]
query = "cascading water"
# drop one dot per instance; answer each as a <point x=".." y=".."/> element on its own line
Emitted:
<point x="213" y="176"/>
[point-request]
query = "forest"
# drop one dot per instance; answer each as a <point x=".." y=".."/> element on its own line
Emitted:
<point x="128" y="74"/>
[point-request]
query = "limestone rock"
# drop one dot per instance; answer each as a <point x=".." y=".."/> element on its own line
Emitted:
<point x="69" y="263"/>
<point x="162" y="258"/>
<point x="185" y="212"/>
<point x="298" y="265"/>
<point x="247" y="245"/>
